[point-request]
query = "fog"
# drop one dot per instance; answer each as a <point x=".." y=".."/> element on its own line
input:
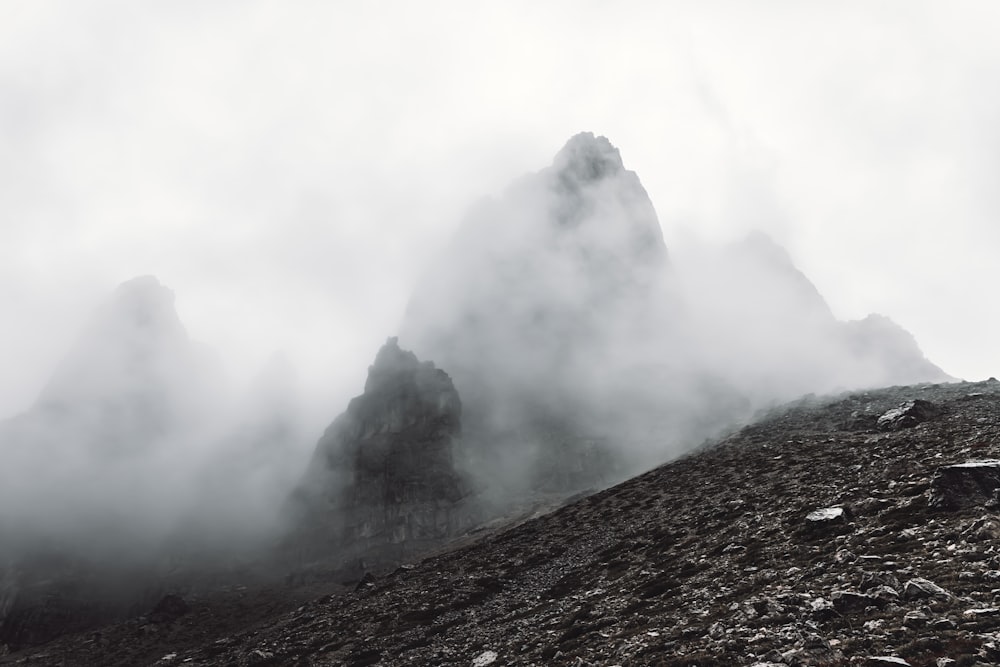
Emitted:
<point x="573" y="332"/>
<point x="138" y="448"/>
<point x="304" y="180"/>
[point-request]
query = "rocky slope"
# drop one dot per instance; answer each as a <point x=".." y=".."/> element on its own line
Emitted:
<point x="856" y="530"/>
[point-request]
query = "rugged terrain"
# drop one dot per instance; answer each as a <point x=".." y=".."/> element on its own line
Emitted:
<point x="718" y="558"/>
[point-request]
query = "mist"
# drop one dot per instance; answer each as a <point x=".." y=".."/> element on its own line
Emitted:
<point x="583" y="349"/>
<point x="138" y="441"/>
<point x="578" y="340"/>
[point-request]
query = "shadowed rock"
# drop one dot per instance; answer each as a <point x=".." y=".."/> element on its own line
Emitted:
<point x="382" y="482"/>
<point x="966" y="484"/>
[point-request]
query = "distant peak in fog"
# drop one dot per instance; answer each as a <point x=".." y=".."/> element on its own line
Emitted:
<point x="586" y="158"/>
<point x="144" y="302"/>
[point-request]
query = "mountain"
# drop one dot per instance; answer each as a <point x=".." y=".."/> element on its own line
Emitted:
<point x="537" y="284"/>
<point x="831" y="532"/>
<point x="102" y="441"/>
<point x="134" y="374"/>
<point x="583" y="352"/>
<point x="758" y="321"/>
<point x="99" y="478"/>
<point x="889" y="353"/>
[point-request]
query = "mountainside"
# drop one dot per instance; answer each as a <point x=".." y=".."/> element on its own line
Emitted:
<point x="855" y="530"/>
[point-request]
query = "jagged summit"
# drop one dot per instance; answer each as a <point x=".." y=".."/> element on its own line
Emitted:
<point x="382" y="481"/>
<point x="145" y="301"/>
<point x="391" y="364"/>
<point x="135" y="342"/>
<point x="587" y="158"/>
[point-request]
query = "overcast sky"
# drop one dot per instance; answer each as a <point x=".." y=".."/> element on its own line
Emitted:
<point x="289" y="168"/>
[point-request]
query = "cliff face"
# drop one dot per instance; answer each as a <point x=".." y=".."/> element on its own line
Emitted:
<point x="382" y="482"/>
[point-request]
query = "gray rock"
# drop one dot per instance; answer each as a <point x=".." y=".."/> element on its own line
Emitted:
<point x="907" y="415"/>
<point x="918" y="588"/>
<point x="827" y="515"/>
<point x="983" y="612"/>
<point x="885" y="661"/>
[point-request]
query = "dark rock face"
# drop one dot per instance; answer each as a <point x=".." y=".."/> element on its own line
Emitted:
<point x="969" y="484"/>
<point x="382" y="482"/>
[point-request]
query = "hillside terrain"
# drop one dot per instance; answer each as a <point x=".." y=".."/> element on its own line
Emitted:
<point x="834" y="531"/>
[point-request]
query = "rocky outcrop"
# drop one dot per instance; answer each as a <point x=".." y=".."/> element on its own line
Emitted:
<point x="382" y="483"/>
<point x="966" y="485"/>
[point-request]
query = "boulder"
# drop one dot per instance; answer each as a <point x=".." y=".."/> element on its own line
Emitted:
<point x="824" y="521"/>
<point x="918" y="588"/>
<point x="964" y="485"/>
<point x="907" y="415"/>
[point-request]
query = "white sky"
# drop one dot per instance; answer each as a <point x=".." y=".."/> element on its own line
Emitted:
<point x="289" y="168"/>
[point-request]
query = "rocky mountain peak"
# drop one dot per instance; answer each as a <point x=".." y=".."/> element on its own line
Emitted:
<point x="135" y="339"/>
<point x="587" y="158"/>
<point x="144" y="302"/>
<point x="392" y="364"/>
